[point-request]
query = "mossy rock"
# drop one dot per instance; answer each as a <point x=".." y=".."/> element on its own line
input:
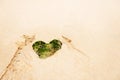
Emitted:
<point x="45" y="50"/>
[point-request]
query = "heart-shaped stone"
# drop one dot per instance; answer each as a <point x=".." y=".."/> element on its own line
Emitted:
<point x="45" y="50"/>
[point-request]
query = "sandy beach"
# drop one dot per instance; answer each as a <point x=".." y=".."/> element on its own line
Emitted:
<point x="92" y="25"/>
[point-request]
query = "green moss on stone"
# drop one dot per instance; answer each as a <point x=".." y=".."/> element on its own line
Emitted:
<point x="45" y="50"/>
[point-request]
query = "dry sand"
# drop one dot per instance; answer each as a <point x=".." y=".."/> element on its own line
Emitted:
<point x="92" y="25"/>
